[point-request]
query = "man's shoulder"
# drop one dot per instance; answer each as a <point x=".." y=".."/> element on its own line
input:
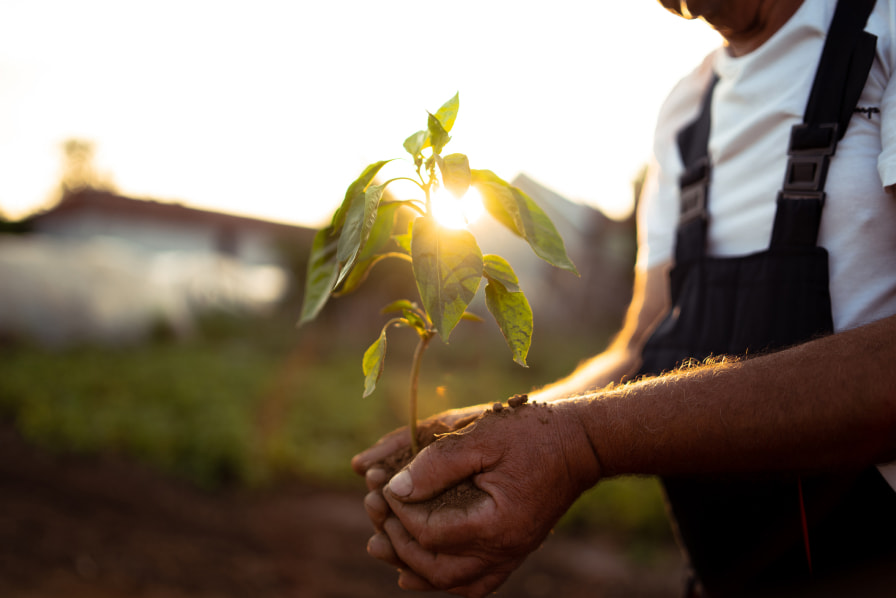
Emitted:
<point x="683" y="101"/>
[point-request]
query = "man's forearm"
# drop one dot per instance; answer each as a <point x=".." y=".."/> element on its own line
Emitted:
<point x="827" y="404"/>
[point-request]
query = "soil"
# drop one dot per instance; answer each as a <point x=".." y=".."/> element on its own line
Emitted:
<point x="466" y="493"/>
<point x="103" y="527"/>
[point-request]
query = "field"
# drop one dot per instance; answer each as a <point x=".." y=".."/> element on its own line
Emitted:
<point x="194" y="457"/>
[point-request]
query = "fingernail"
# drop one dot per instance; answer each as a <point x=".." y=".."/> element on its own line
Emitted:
<point x="376" y="476"/>
<point x="401" y="484"/>
<point x="375" y="545"/>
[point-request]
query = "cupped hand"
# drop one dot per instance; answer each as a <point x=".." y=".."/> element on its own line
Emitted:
<point x="369" y="464"/>
<point x="509" y="477"/>
<point x="398" y="440"/>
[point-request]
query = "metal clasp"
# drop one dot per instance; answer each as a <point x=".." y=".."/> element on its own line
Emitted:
<point x="809" y="154"/>
<point x="694" y="184"/>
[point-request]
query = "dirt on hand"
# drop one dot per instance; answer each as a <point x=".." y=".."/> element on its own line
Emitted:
<point x="466" y="493"/>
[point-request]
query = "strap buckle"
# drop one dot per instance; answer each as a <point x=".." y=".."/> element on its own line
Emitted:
<point x="806" y="173"/>
<point x="694" y="183"/>
<point x="792" y="196"/>
<point x="808" y="157"/>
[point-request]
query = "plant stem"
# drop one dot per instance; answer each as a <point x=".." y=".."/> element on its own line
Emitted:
<point x="428" y="206"/>
<point x="427" y="187"/>
<point x="412" y="399"/>
<point x="404" y="178"/>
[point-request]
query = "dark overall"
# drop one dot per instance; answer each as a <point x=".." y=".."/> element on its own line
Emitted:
<point x="745" y="535"/>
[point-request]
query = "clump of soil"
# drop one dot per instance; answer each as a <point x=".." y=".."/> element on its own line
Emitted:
<point x="461" y="496"/>
<point x="517" y="400"/>
<point x="465" y="494"/>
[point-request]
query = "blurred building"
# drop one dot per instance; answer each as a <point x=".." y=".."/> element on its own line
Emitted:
<point x="164" y="227"/>
<point x="100" y="267"/>
<point x="103" y="268"/>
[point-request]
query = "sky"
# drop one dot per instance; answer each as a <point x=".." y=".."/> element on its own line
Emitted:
<point x="270" y="109"/>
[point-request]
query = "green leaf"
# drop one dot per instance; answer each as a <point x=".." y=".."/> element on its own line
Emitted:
<point x="356" y="275"/>
<point x="514" y="318"/>
<point x="373" y="363"/>
<point x="415" y="321"/>
<point x="403" y="241"/>
<point x="438" y="136"/>
<point x="447" y="114"/>
<point x="415" y="143"/>
<point x="456" y="173"/>
<point x="497" y="199"/>
<point x="359" y="185"/>
<point x="382" y="229"/>
<point x="541" y="233"/>
<point x="447" y="268"/>
<point x="508" y="305"/>
<point x="495" y="267"/>
<point x="398" y="305"/>
<point x="516" y="210"/>
<point x="372" y="198"/>
<point x="321" y="276"/>
<point x="468" y="315"/>
<point x="359" y="222"/>
<point x="350" y="236"/>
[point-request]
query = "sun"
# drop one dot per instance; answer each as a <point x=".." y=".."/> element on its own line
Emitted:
<point x="454" y="212"/>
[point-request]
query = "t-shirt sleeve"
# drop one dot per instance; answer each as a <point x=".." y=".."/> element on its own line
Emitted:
<point x="886" y="162"/>
<point x="657" y="218"/>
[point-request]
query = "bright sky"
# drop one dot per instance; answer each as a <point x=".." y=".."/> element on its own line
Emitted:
<point x="271" y="109"/>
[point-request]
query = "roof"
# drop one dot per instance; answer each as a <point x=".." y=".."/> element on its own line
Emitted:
<point x="93" y="200"/>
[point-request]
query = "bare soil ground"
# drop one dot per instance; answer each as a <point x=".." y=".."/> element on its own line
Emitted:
<point x="103" y="527"/>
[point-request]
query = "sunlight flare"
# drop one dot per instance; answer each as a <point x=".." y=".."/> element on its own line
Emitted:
<point x="454" y="212"/>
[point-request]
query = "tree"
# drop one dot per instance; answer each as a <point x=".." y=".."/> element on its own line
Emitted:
<point x="78" y="168"/>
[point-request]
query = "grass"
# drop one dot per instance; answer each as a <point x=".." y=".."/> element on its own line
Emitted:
<point x="246" y="402"/>
<point x="179" y="408"/>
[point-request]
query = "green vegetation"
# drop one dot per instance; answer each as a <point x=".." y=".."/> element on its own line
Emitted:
<point x="244" y="401"/>
<point x="249" y="402"/>
<point x="214" y="409"/>
<point x="631" y="508"/>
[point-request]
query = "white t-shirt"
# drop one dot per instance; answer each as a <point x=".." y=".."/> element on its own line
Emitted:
<point x="758" y="98"/>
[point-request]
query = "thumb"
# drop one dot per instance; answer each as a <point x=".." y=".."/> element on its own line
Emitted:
<point x="438" y="467"/>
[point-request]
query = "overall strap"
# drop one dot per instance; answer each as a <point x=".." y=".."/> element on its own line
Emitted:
<point x="839" y="80"/>
<point x="693" y="146"/>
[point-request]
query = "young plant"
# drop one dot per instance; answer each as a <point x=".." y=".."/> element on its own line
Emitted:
<point x="447" y="264"/>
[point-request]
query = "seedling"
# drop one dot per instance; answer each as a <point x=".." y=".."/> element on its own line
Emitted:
<point x="447" y="264"/>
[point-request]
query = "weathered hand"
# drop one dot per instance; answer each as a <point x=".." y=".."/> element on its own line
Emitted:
<point x="397" y="440"/>
<point x="471" y="506"/>
<point x="370" y="464"/>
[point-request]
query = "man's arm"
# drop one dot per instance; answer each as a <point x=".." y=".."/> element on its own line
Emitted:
<point x="824" y="405"/>
<point x="828" y="404"/>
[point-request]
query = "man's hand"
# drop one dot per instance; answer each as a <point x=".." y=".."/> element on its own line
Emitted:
<point x="369" y="464"/>
<point x="474" y="504"/>
<point x="397" y="440"/>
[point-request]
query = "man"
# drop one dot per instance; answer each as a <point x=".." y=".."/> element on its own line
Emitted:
<point x="775" y="464"/>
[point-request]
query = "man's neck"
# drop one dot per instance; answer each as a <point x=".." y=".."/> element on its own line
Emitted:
<point x="747" y="25"/>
